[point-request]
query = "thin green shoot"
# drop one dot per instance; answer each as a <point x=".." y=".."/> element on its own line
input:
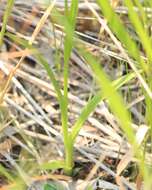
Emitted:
<point x="7" y="13"/>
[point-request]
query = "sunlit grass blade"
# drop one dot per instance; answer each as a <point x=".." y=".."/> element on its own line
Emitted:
<point x="52" y="165"/>
<point x="50" y="73"/>
<point x="92" y="104"/>
<point x="4" y="172"/>
<point x="146" y="42"/>
<point x="16" y="186"/>
<point x="142" y="13"/>
<point x="139" y="28"/>
<point x="7" y="13"/>
<point x="66" y="7"/>
<point x="86" y="111"/>
<point x="68" y="23"/>
<point x="120" y="31"/>
<point x="73" y="13"/>
<point x="115" y="100"/>
<point x="119" y="82"/>
<point x="63" y="107"/>
<point x="62" y="103"/>
<point x="89" y="187"/>
<point x="116" y="104"/>
<point x="68" y="45"/>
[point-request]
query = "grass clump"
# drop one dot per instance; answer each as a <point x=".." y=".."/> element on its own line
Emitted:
<point x="139" y="68"/>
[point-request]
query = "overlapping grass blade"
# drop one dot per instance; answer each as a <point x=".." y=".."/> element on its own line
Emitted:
<point x="139" y="22"/>
<point x="109" y="92"/>
<point x="147" y="45"/>
<point x="141" y="12"/>
<point x="92" y="104"/>
<point x="68" y="44"/>
<point x="69" y="28"/>
<point x="140" y="30"/>
<point x="120" y="31"/>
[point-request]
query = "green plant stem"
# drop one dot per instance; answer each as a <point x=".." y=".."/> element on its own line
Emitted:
<point x="69" y="161"/>
<point x="68" y="45"/>
<point x="7" y="13"/>
<point x="63" y="107"/>
<point x="66" y="7"/>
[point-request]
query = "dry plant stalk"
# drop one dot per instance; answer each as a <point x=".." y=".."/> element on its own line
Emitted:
<point x="3" y="80"/>
<point x="33" y="37"/>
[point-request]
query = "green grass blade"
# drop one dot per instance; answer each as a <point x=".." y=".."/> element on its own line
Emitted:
<point x="7" y="13"/>
<point x="61" y="99"/>
<point x="86" y="111"/>
<point x="92" y="104"/>
<point x="68" y="44"/>
<point x="146" y="42"/>
<point x="42" y="61"/>
<point x="142" y="13"/>
<point x="120" y="31"/>
<point x="50" y="187"/>
<point x="4" y="172"/>
<point x="115" y="100"/>
<point x="45" y="64"/>
<point x="50" y="73"/>
<point x="139" y="28"/>
<point x="119" y="82"/>
<point x="53" y="165"/>
<point x="19" y="184"/>
<point x="73" y="13"/>
<point x="68" y="23"/>
<point x="66" y="7"/>
<point x="63" y="105"/>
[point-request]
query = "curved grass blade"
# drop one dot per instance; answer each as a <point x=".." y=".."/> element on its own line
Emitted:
<point x="92" y="104"/>
<point x="108" y="91"/>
